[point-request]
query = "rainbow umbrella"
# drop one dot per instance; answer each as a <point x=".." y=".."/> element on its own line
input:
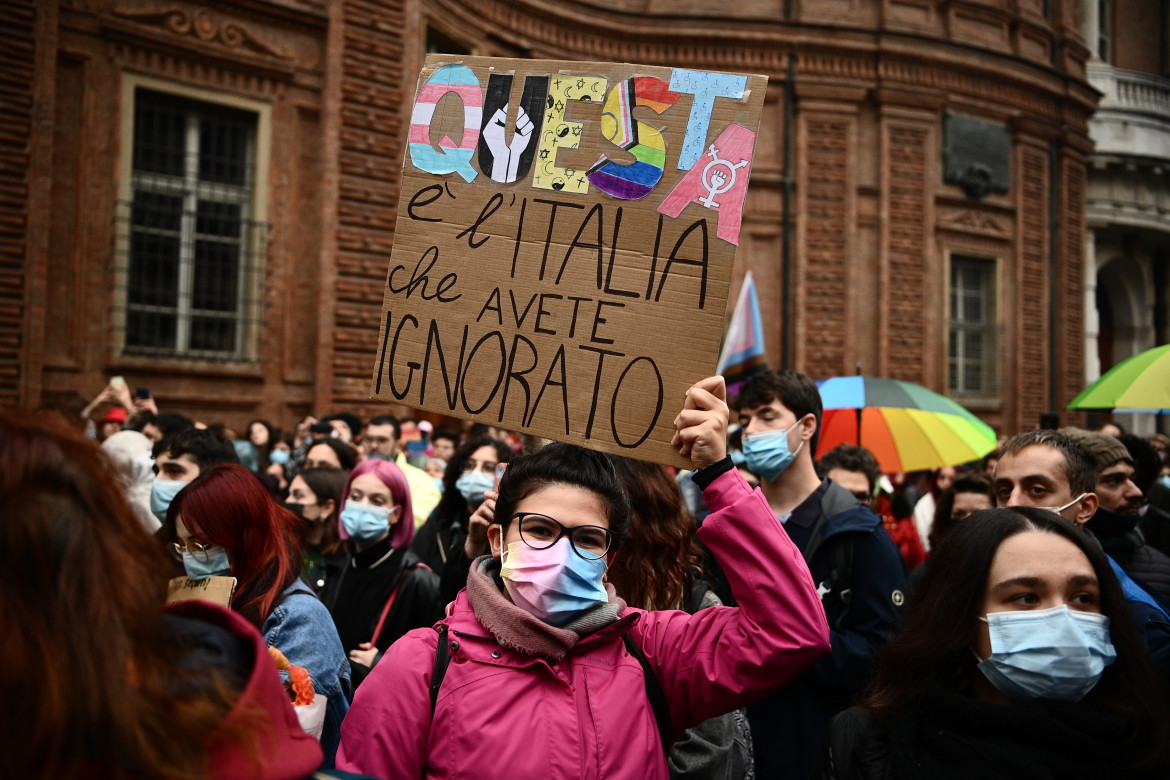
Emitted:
<point x="905" y="426"/>
<point x="1139" y="384"/>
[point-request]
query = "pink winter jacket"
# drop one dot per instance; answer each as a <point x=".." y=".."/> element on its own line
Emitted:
<point x="505" y="714"/>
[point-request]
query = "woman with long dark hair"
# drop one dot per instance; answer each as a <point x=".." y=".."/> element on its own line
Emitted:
<point x="99" y="680"/>
<point x="469" y="474"/>
<point x="315" y="496"/>
<point x="226" y="523"/>
<point x="262" y="435"/>
<point x="382" y="590"/>
<point x="1020" y="659"/>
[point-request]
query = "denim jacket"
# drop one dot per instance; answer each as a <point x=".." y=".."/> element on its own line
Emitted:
<point x="302" y="629"/>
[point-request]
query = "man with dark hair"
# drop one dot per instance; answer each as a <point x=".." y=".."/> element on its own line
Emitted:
<point x="1116" y="519"/>
<point x="157" y="427"/>
<point x="854" y="564"/>
<point x="853" y="468"/>
<point x="445" y="443"/>
<point x="856" y="469"/>
<point x="380" y="441"/>
<point x="180" y="459"/>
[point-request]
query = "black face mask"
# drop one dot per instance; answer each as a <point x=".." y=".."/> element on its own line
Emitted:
<point x="296" y="509"/>
<point x="1105" y="524"/>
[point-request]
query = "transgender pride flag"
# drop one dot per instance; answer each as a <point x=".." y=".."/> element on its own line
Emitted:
<point x="742" y="356"/>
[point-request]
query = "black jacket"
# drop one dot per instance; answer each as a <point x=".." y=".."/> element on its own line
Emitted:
<point x="789" y="727"/>
<point x="358" y="587"/>
<point x="959" y="738"/>
<point x="1123" y="540"/>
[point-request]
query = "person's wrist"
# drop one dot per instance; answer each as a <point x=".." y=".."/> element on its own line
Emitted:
<point x="708" y="474"/>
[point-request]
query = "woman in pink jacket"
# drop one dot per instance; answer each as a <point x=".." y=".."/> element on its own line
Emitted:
<point x="541" y="676"/>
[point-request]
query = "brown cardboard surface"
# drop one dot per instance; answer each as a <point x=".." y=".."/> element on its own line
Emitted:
<point x="544" y="304"/>
<point x="217" y="590"/>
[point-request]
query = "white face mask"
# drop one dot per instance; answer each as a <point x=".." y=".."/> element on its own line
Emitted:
<point x="1060" y="509"/>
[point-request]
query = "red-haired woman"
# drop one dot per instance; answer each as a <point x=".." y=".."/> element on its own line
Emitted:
<point x="99" y="680"/>
<point x="226" y="523"/>
<point x="385" y="590"/>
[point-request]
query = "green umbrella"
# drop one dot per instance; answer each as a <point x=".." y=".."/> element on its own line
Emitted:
<point x="1140" y="383"/>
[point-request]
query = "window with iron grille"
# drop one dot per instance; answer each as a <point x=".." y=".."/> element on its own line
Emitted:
<point x="974" y="332"/>
<point x="191" y="253"/>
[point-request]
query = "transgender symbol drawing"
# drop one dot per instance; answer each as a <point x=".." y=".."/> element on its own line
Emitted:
<point x="715" y="181"/>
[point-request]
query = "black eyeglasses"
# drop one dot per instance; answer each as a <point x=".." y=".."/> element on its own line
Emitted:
<point x="541" y="532"/>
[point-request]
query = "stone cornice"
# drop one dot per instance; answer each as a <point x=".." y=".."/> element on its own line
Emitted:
<point x="309" y="15"/>
<point x="576" y="31"/>
<point x="226" y="55"/>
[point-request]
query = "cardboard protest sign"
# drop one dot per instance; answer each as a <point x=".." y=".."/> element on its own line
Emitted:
<point x="217" y="590"/>
<point x="565" y="238"/>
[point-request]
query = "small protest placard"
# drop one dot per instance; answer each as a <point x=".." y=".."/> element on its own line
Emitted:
<point x="564" y="245"/>
<point x="217" y="590"/>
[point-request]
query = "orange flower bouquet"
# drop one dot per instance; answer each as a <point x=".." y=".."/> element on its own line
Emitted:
<point x="310" y="707"/>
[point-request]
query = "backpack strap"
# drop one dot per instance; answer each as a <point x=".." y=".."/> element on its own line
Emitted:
<point x="654" y="693"/>
<point x="394" y="595"/>
<point x="841" y="576"/>
<point x="442" y="659"/>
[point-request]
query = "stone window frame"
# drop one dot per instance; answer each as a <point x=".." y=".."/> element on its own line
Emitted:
<point x="254" y="242"/>
<point x="960" y="330"/>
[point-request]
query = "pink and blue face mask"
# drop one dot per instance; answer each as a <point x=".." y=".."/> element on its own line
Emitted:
<point x="555" y="584"/>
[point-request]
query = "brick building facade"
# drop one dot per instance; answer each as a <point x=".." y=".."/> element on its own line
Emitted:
<point x="201" y="196"/>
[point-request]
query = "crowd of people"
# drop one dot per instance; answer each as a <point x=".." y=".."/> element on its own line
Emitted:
<point x="466" y="601"/>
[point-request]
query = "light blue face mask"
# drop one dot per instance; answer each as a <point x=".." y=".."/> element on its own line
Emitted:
<point x="1055" y="653"/>
<point x="279" y="457"/>
<point x="365" y="522"/>
<point x="212" y="562"/>
<point x="162" y="493"/>
<point x="473" y="485"/>
<point x="767" y="453"/>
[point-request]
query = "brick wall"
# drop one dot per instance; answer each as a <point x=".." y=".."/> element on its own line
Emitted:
<point x="374" y="93"/>
<point x="1028" y="384"/>
<point x="825" y="185"/>
<point x="906" y="234"/>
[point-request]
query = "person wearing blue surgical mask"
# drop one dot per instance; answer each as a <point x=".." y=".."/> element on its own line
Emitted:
<point x="225" y="523"/>
<point x="1020" y="659"/>
<point x="780" y="415"/>
<point x="200" y="559"/>
<point x="383" y="590"/>
<point x="181" y="458"/>
<point x="172" y="474"/>
<point x="469" y="477"/>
